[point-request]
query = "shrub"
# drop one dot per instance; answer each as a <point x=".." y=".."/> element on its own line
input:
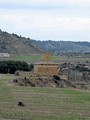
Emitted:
<point x="12" y="66"/>
<point x="56" y="77"/>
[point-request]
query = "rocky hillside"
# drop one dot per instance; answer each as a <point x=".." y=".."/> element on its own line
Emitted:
<point x="17" y="45"/>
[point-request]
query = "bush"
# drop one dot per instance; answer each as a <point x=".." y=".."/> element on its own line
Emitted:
<point x="56" y="77"/>
<point x="81" y="68"/>
<point x="31" y="67"/>
<point x="12" y="66"/>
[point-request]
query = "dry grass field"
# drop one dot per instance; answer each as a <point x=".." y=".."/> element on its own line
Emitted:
<point x="42" y="103"/>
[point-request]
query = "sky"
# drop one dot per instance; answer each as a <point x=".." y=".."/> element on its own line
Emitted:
<point x="67" y="20"/>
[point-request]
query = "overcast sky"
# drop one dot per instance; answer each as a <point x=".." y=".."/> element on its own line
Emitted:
<point x="67" y="20"/>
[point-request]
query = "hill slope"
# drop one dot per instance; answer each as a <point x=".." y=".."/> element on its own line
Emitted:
<point x="63" y="46"/>
<point x="17" y="45"/>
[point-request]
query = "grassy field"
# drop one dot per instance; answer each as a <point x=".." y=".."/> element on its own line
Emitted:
<point x="23" y="58"/>
<point x="42" y="103"/>
<point x="36" y="58"/>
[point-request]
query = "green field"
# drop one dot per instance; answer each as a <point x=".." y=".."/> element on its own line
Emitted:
<point x="36" y="58"/>
<point x="23" y="58"/>
<point x="42" y="103"/>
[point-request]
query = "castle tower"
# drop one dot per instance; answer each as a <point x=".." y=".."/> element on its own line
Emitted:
<point x="46" y="66"/>
<point x="46" y="57"/>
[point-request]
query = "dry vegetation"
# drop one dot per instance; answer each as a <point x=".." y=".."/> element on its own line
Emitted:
<point x="42" y="103"/>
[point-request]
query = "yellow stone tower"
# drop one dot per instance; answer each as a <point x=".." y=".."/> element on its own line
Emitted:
<point x="46" y="66"/>
<point x="46" y="57"/>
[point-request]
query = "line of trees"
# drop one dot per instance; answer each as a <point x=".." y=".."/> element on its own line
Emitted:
<point x="12" y="66"/>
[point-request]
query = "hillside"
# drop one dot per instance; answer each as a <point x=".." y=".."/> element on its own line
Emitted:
<point x="16" y="45"/>
<point x="63" y="46"/>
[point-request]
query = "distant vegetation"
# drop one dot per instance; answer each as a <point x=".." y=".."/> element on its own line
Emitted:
<point x="57" y="47"/>
<point x="12" y="66"/>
